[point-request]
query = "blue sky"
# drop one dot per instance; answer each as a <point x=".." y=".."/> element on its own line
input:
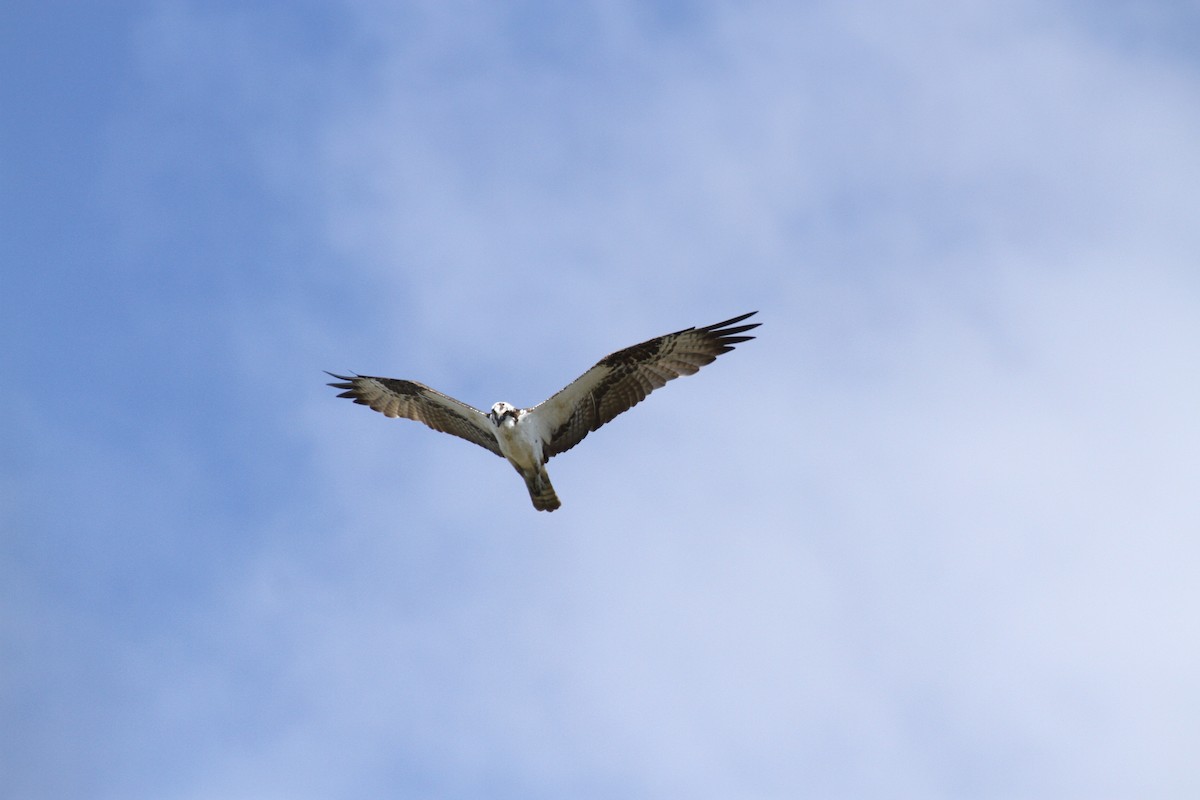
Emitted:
<point x="933" y="534"/>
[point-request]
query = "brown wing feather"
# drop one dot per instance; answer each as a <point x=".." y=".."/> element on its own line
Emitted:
<point x="621" y="380"/>
<point x="416" y="401"/>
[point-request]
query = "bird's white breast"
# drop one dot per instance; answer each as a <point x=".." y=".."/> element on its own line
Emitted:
<point x="521" y="441"/>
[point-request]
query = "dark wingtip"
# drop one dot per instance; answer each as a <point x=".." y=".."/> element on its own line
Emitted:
<point x="729" y="335"/>
<point x="736" y="320"/>
<point x="726" y="326"/>
<point x="346" y="384"/>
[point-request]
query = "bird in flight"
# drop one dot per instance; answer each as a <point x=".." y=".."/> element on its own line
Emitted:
<point x="529" y="437"/>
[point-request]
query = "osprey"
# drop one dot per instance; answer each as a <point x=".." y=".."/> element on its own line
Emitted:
<point x="529" y="437"/>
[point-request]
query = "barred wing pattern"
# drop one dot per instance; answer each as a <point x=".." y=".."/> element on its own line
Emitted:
<point x="623" y="379"/>
<point x="416" y="401"/>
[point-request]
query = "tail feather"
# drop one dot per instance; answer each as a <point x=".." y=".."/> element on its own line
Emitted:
<point x="540" y="491"/>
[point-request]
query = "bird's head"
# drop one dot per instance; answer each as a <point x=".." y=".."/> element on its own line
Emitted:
<point x="500" y="411"/>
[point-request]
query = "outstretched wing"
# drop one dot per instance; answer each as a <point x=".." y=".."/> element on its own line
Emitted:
<point x="397" y="398"/>
<point x="620" y="381"/>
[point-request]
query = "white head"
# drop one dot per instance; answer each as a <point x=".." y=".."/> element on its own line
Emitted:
<point x="500" y="411"/>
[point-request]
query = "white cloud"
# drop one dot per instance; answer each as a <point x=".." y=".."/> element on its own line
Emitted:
<point x="938" y="565"/>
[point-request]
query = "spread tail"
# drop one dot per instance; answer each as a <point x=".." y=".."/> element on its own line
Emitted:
<point x="540" y="491"/>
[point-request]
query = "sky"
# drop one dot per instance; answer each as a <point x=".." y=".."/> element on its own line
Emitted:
<point x="933" y="534"/>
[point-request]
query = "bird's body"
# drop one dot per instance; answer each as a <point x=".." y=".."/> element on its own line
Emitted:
<point x="529" y="437"/>
<point x="522" y="438"/>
